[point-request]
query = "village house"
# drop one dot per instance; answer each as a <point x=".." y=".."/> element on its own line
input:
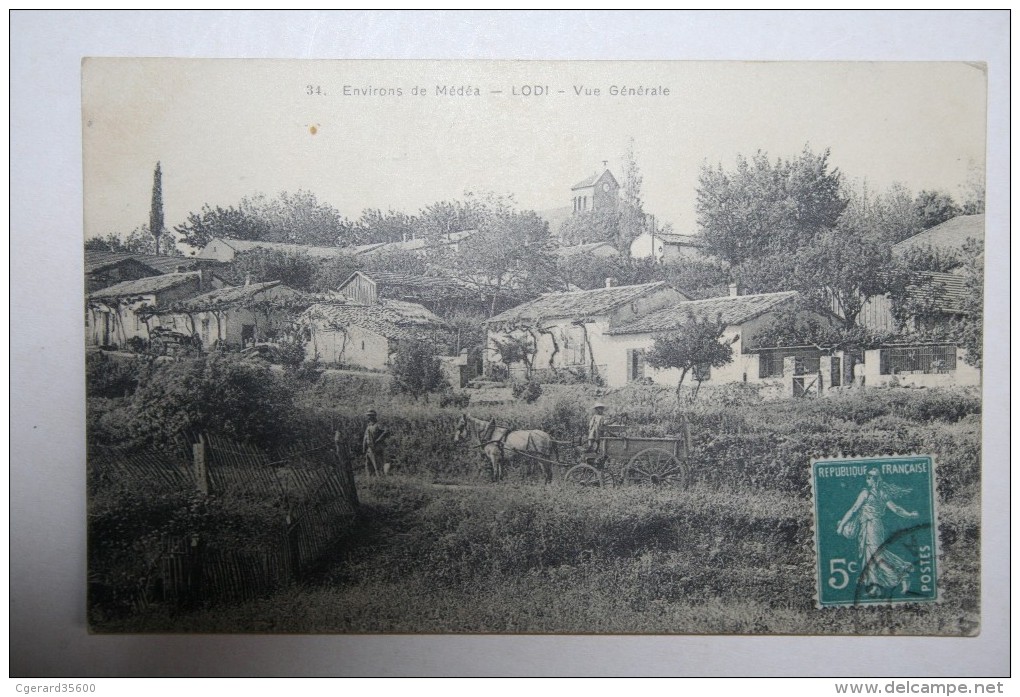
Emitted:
<point x="440" y="294"/>
<point x="236" y="316"/>
<point x="602" y="250"/>
<point x="117" y="314"/>
<point x="225" y="250"/>
<point x="448" y="242"/>
<point x="667" y="246"/>
<point x="567" y="332"/>
<point x="367" y="334"/>
<point x="609" y="331"/>
<point x="104" y="269"/>
<point x="941" y="297"/>
<point x="743" y="317"/>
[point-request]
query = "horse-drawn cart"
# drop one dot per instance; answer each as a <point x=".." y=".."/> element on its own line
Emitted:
<point x="633" y="460"/>
<point x="619" y="458"/>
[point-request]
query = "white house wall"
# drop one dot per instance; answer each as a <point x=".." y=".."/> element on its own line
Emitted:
<point x="569" y="335"/>
<point x="356" y="347"/>
<point x="618" y="346"/>
<point x="646" y="246"/>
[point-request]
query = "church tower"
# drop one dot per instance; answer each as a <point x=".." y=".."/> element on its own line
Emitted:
<point x="598" y="191"/>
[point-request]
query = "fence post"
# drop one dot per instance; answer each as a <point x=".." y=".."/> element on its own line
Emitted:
<point x="201" y="466"/>
<point x="343" y="465"/>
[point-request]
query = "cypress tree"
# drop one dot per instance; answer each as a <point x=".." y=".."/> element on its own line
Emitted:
<point x="156" y="211"/>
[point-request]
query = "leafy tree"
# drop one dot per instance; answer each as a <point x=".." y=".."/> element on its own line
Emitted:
<point x="444" y="217"/>
<point x="222" y="394"/>
<point x="229" y="223"/>
<point x="935" y="207"/>
<point x="138" y="241"/>
<point x="391" y="226"/>
<point x="416" y="370"/>
<point x="300" y="218"/>
<point x="842" y="269"/>
<point x="797" y="325"/>
<point x="763" y="209"/>
<point x="297" y="270"/>
<point x="156" y="209"/>
<point x="513" y="348"/>
<point x="397" y="260"/>
<point x="891" y="214"/>
<point x="974" y="191"/>
<point x="971" y="331"/>
<point x="631" y="208"/>
<point x="297" y="218"/>
<point x="696" y="344"/>
<point x="930" y="258"/>
<point x="328" y="274"/>
<point x="511" y="255"/>
<point x="597" y="225"/>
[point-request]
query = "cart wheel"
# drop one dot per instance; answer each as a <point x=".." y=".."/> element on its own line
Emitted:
<point x="655" y="467"/>
<point x="583" y="476"/>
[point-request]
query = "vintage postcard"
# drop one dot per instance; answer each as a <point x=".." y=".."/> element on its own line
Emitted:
<point x="455" y="347"/>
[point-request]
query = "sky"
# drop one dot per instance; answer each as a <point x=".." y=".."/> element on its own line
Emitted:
<point x="225" y="129"/>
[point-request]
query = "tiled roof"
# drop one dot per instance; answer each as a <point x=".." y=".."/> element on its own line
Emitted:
<point x="390" y="318"/>
<point x="731" y="310"/>
<point x="392" y="278"/>
<point x="146" y="286"/>
<point x="168" y="264"/>
<point x="574" y="250"/>
<point x="581" y="303"/>
<point x="593" y="179"/>
<point x="414" y="245"/>
<point x="949" y="235"/>
<point x="96" y="259"/>
<point x="228" y="296"/>
<point x="320" y="252"/>
<point x="948" y="290"/>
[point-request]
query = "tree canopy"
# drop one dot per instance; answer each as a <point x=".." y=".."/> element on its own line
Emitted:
<point x="764" y="208"/>
<point x="695" y="346"/>
<point x="297" y="218"/>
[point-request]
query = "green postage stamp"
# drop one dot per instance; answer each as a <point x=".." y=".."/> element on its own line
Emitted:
<point x="876" y="534"/>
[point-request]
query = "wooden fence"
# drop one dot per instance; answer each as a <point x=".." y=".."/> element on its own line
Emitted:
<point x="305" y="496"/>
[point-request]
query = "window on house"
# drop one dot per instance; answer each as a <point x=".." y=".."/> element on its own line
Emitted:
<point x="770" y="364"/>
<point x="205" y="329"/>
<point x="702" y="372"/>
<point x="635" y="364"/>
<point x="917" y="359"/>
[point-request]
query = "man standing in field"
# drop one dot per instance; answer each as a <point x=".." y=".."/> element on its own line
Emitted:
<point x="596" y="425"/>
<point x="373" y="445"/>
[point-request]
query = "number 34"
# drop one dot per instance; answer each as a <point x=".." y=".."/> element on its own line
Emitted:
<point x="839" y="577"/>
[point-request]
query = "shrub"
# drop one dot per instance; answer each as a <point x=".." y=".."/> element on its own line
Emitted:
<point x="455" y="400"/>
<point x="109" y="377"/>
<point x="416" y="370"/>
<point x="228" y="394"/>
<point x="136" y="344"/>
<point x="527" y="391"/>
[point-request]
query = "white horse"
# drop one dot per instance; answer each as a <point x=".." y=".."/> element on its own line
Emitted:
<point x="500" y="444"/>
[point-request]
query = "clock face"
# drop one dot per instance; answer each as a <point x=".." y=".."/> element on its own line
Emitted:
<point x="605" y="187"/>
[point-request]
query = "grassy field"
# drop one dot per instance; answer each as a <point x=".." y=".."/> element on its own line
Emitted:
<point x="435" y="550"/>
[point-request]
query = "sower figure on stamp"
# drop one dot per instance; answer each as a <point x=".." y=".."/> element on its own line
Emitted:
<point x="373" y="445"/>
<point x="881" y="567"/>
<point x="596" y="426"/>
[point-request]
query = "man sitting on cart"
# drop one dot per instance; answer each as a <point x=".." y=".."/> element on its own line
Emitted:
<point x="596" y="426"/>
